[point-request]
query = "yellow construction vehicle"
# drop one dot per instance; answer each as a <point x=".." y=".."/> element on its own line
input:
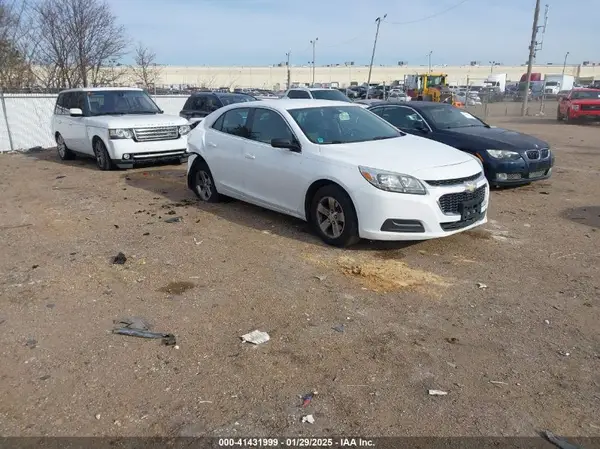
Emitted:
<point x="426" y="86"/>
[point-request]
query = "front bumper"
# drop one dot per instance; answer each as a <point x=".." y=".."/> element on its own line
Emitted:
<point x="586" y="114"/>
<point x="397" y="216"/>
<point x="520" y="172"/>
<point x="125" y="153"/>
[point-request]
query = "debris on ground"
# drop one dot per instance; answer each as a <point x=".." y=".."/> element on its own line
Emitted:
<point x="544" y="193"/>
<point x="437" y="393"/>
<point x="307" y="398"/>
<point x="60" y="177"/>
<point x="174" y="220"/>
<point x="198" y="242"/>
<point x="339" y="328"/>
<point x="498" y="382"/>
<point x="452" y="340"/>
<point x="31" y="343"/>
<point x="564" y="354"/>
<point x="321" y="278"/>
<point x="98" y="416"/>
<point x="256" y="337"/>
<point x="481" y="285"/>
<point x="309" y="419"/>
<point x="558" y="441"/>
<point x="138" y="327"/>
<point x="547" y="321"/>
<point x="452" y="365"/>
<point x="119" y="259"/>
<point x="45" y="377"/>
<point x="116" y="226"/>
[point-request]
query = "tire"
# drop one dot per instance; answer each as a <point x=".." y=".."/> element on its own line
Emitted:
<point x="63" y="151"/>
<point x="102" y="158"/>
<point x="558" y="116"/>
<point x="331" y="202"/>
<point x="566" y="118"/>
<point x="203" y="183"/>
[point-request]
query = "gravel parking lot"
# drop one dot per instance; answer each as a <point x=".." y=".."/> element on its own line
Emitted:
<point x="518" y="356"/>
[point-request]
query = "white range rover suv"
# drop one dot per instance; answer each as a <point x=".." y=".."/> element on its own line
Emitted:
<point x="117" y="126"/>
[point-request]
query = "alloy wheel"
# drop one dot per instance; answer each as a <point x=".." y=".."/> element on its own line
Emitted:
<point x="330" y="217"/>
<point x="60" y="145"/>
<point x="204" y="185"/>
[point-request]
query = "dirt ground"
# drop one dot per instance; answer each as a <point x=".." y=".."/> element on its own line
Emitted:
<point x="518" y="356"/>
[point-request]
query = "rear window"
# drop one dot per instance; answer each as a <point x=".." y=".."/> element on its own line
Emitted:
<point x="231" y="99"/>
<point x="330" y="94"/>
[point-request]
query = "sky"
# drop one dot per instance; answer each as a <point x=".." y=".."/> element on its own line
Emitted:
<point x="261" y="32"/>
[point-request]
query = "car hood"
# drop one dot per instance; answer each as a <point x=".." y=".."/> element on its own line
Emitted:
<point x="497" y="138"/>
<point x="411" y="155"/>
<point x="137" y="121"/>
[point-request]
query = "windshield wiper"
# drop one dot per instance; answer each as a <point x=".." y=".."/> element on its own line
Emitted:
<point x="383" y="137"/>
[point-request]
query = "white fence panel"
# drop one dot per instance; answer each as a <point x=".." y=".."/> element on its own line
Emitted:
<point x="29" y="117"/>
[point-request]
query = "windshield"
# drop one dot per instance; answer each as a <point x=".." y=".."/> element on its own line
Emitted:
<point x="330" y="94"/>
<point x="342" y="124"/>
<point x="121" y="102"/>
<point x="231" y="99"/>
<point x="552" y="83"/>
<point x="447" y="117"/>
<point x="435" y="81"/>
<point x="586" y="95"/>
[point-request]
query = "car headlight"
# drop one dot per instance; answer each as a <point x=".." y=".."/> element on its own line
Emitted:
<point x="392" y="182"/>
<point x="120" y="133"/>
<point x="504" y="154"/>
<point x="184" y="129"/>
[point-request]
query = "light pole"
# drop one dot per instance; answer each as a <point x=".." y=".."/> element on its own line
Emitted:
<point x="289" y="77"/>
<point x="492" y="64"/>
<point x="314" y="43"/>
<point x="429" y="56"/>
<point x="565" y="63"/>
<point x="533" y="43"/>
<point x="378" y="21"/>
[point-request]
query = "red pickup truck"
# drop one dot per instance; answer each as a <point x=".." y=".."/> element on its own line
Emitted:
<point x="579" y="104"/>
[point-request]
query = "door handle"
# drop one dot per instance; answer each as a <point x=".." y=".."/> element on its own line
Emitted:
<point x="212" y="145"/>
<point x="249" y="156"/>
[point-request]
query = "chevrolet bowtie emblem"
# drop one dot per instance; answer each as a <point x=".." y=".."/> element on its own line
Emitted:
<point x="470" y="187"/>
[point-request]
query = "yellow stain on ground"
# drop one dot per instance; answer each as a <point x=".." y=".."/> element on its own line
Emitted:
<point x="383" y="275"/>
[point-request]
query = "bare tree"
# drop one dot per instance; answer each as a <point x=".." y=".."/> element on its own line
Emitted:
<point x="80" y="43"/>
<point x="15" y="45"/>
<point x="145" y="71"/>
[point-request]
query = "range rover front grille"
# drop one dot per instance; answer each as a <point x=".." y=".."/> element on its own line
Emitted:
<point x="157" y="133"/>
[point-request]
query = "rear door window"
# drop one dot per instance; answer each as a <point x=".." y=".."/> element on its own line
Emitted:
<point x="235" y="122"/>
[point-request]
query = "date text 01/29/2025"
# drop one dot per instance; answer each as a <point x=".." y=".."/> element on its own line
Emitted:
<point x="295" y="442"/>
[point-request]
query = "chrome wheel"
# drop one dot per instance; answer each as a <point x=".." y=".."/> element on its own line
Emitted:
<point x="204" y="185"/>
<point x="330" y="217"/>
<point x="61" y="147"/>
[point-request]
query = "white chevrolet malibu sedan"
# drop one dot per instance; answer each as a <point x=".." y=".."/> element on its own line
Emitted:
<point x="341" y="168"/>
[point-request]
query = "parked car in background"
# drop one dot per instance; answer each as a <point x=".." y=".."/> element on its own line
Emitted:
<point x="508" y="157"/>
<point x="398" y="95"/>
<point x="200" y="104"/>
<point x="339" y="167"/>
<point x="315" y="93"/>
<point x="116" y="126"/>
<point x="579" y="104"/>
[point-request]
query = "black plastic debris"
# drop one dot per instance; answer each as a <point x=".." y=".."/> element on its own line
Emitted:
<point x="138" y="327"/>
<point x="558" y="441"/>
<point x="119" y="259"/>
<point x="31" y="343"/>
<point x="174" y="220"/>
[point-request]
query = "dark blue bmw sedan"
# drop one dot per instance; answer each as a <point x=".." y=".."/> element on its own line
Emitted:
<point x="508" y="157"/>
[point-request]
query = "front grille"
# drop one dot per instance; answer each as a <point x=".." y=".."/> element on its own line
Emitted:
<point x="158" y="133"/>
<point x="590" y="107"/>
<point x="452" y="182"/>
<point x="544" y="153"/>
<point x="450" y="202"/>
<point x="454" y="225"/>
<point x="533" y="154"/>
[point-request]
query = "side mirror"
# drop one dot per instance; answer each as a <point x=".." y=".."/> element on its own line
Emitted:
<point x="286" y="143"/>
<point x="75" y="112"/>
<point x="420" y="126"/>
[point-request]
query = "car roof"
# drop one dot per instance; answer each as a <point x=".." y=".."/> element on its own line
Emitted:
<point x="310" y="89"/>
<point x="290" y="104"/>
<point x="412" y="104"/>
<point x="221" y="94"/>
<point x="101" y="89"/>
<point x="585" y="89"/>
